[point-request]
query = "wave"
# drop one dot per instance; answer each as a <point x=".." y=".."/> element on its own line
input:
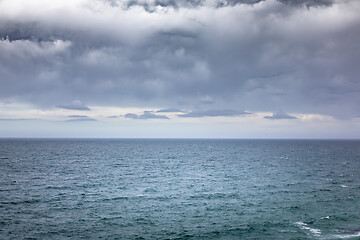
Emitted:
<point x="314" y="231"/>
<point x="346" y="236"/>
<point x="317" y="233"/>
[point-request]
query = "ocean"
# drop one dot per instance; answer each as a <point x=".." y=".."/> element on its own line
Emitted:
<point x="179" y="189"/>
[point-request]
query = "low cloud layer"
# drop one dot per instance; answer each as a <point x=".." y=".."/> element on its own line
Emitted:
<point x="75" y="105"/>
<point x="145" y="115"/>
<point x="297" y="56"/>
<point x="80" y="118"/>
<point x="213" y="113"/>
<point x="277" y="116"/>
<point x="169" y="110"/>
<point x="17" y="119"/>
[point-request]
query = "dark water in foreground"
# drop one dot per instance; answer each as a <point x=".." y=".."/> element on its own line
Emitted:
<point x="186" y="189"/>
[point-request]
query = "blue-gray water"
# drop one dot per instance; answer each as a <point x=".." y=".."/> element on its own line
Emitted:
<point x="179" y="189"/>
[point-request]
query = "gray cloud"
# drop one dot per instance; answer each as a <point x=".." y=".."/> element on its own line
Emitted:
<point x="269" y="56"/>
<point x="145" y="115"/>
<point x="169" y="110"/>
<point x="17" y="119"/>
<point x="82" y="119"/>
<point x="276" y="116"/>
<point x="151" y="6"/>
<point x="75" y="105"/>
<point x="207" y="99"/>
<point x="78" y="116"/>
<point x="214" y="113"/>
<point x="308" y="3"/>
<point x="131" y="115"/>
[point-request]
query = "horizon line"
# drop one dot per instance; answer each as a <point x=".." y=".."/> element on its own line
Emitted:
<point x="164" y="138"/>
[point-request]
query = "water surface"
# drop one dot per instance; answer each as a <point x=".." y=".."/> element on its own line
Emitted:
<point x="179" y="189"/>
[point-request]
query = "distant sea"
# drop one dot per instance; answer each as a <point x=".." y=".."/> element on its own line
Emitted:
<point x="179" y="189"/>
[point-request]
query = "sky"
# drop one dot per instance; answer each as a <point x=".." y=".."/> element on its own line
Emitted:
<point x="180" y="69"/>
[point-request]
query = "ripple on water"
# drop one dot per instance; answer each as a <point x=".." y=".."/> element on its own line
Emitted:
<point x="179" y="189"/>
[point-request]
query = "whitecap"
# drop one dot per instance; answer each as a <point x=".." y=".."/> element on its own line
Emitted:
<point x="304" y="226"/>
<point x="346" y="236"/>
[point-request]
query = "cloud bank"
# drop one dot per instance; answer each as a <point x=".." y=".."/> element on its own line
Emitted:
<point x="213" y="113"/>
<point x="169" y="110"/>
<point x="145" y="115"/>
<point x="75" y="105"/>
<point x="276" y="116"/>
<point x="293" y="56"/>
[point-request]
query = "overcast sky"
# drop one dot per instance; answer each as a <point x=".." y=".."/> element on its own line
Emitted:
<point x="188" y="68"/>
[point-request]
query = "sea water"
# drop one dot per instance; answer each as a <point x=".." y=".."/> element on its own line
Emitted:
<point x="179" y="189"/>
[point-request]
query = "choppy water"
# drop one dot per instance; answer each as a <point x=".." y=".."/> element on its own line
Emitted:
<point x="186" y="189"/>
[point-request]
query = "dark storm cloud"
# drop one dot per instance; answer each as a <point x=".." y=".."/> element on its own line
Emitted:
<point x="257" y="55"/>
<point x="213" y="113"/>
<point x="276" y="116"/>
<point x="145" y="115"/>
